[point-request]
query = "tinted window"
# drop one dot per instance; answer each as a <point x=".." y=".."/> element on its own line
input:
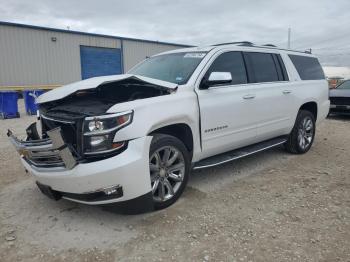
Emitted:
<point x="230" y="62"/>
<point x="345" y="85"/>
<point x="261" y="67"/>
<point x="308" y="67"/>
<point x="281" y="69"/>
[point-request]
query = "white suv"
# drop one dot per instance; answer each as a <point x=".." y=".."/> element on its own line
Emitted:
<point x="131" y="140"/>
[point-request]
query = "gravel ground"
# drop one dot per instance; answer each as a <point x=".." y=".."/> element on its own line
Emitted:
<point x="272" y="206"/>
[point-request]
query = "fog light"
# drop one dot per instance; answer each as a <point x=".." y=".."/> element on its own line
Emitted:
<point x="97" y="140"/>
<point x="111" y="190"/>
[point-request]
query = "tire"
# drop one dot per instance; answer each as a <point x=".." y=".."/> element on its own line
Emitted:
<point x="170" y="164"/>
<point x="304" y="129"/>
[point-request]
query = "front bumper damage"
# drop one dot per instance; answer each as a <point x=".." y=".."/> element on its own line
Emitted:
<point x="45" y="153"/>
<point x="121" y="182"/>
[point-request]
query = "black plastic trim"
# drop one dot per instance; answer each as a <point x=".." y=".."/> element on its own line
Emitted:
<point x="86" y="197"/>
<point x="141" y="204"/>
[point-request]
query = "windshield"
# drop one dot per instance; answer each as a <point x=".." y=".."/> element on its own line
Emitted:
<point x="345" y="85"/>
<point x="176" y="68"/>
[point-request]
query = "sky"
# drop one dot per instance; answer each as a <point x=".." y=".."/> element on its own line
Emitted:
<point x="322" y="25"/>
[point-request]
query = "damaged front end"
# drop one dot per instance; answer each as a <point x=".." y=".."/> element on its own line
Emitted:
<point x="51" y="152"/>
<point x="75" y="125"/>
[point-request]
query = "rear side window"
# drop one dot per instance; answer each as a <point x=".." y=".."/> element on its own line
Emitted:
<point x="263" y="67"/>
<point x="308" y="67"/>
<point x="230" y="62"/>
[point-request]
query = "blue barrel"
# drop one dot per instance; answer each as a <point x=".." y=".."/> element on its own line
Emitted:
<point x="29" y="100"/>
<point x="8" y="104"/>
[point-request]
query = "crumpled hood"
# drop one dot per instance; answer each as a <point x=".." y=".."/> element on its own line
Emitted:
<point x="63" y="91"/>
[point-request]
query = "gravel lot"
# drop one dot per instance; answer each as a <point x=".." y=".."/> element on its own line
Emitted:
<point x="269" y="207"/>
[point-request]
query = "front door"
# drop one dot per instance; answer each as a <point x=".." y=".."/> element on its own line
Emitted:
<point x="227" y="112"/>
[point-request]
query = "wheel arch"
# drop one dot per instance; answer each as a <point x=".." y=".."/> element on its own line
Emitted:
<point x="310" y="106"/>
<point x="182" y="131"/>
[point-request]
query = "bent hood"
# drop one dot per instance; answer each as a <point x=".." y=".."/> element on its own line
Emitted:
<point x="91" y="83"/>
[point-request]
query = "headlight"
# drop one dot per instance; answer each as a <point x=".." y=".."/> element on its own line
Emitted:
<point x="99" y="132"/>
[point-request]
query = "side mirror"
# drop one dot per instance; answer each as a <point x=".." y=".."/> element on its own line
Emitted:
<point x="217" y="78"/>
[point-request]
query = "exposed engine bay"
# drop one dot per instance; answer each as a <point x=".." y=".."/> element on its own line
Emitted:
<point x="92" y="102"/>
<point x="78" y="113"/>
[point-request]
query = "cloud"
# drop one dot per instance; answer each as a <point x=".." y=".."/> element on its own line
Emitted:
<point x="321" y="25"/>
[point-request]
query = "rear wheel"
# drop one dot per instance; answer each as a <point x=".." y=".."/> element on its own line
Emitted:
<point x="169" y="164"/>
<point x="302" y="136"/>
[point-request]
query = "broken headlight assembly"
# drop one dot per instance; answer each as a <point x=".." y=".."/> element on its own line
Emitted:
<point x="99" y="132"/>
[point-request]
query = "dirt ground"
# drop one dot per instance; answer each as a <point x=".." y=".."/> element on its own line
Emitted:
<point x="272" y="206"/>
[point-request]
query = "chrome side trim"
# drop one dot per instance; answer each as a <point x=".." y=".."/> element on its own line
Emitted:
<point x="240" y="156"/>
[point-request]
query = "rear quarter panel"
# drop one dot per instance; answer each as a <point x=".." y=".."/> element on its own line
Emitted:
<point x="305" y="91"/>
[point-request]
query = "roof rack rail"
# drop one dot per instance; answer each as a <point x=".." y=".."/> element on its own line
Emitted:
<point x="232" y="43"/>
<point x="269" y="45"/>
<point x="250" y="44"/>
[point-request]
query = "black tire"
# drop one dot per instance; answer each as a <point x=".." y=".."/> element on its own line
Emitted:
<point x="292" y="145"/>
<point x="160" y="141"/>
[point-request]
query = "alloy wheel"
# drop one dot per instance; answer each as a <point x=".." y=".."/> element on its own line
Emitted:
<point x="167" y="168"/>
<point x="305" y="133"/>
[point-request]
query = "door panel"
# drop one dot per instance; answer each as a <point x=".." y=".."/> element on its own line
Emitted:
<point x="227" y="111"/>
<point x="227" y="119"/>
<point x="273" y="93"/>
<point x="275" y="102"/>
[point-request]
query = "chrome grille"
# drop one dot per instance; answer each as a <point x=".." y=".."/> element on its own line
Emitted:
<point x="45" y="153"/>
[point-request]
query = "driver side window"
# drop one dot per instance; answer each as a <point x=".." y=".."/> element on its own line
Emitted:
<point x="230" y="62"/>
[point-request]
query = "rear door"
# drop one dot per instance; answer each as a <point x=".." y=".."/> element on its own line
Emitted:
<point x="273" y="94"/>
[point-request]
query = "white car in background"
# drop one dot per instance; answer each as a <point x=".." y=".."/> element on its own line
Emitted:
<point x="132" y="140"/>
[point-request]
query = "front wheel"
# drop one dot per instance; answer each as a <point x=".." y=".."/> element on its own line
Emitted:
<point x="302" y="136"/>
<point x="169" y="163"/>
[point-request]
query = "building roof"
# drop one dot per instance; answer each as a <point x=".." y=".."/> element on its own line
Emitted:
<point x="337" y="72"/>
<point x="88" y="34"/>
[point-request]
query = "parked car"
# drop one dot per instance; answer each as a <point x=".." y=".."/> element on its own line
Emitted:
<point x="340" y="99"/>
<point x="132" y="140"/>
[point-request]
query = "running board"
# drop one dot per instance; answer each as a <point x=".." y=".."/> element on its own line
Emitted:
<point x="239" y="153"/>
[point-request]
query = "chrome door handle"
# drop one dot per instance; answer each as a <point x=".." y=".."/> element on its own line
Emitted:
<point x="287" y="92"/>
<point x="249" y="96"/>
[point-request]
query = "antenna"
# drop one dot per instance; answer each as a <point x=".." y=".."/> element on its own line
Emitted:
<point x="289" y="34"/>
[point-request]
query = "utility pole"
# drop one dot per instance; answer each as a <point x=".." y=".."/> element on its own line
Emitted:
<point x="289" y="32"/>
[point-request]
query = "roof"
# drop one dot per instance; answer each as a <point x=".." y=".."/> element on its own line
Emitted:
<point x="87" y="34"/>
<point x="244" y="46"/>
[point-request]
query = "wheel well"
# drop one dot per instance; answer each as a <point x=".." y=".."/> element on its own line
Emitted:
<point x="180" y="131"/>
<point x="311" y="107"/>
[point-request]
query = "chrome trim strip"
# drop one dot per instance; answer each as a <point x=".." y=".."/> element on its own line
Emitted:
<point x="109" y="115"/>
<point x="105" y="151"/>
<point x="57" y="120"/>
<point x="341" y="106"/>
<point x="238" y="157"/>
<point x="45" y="156"/>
